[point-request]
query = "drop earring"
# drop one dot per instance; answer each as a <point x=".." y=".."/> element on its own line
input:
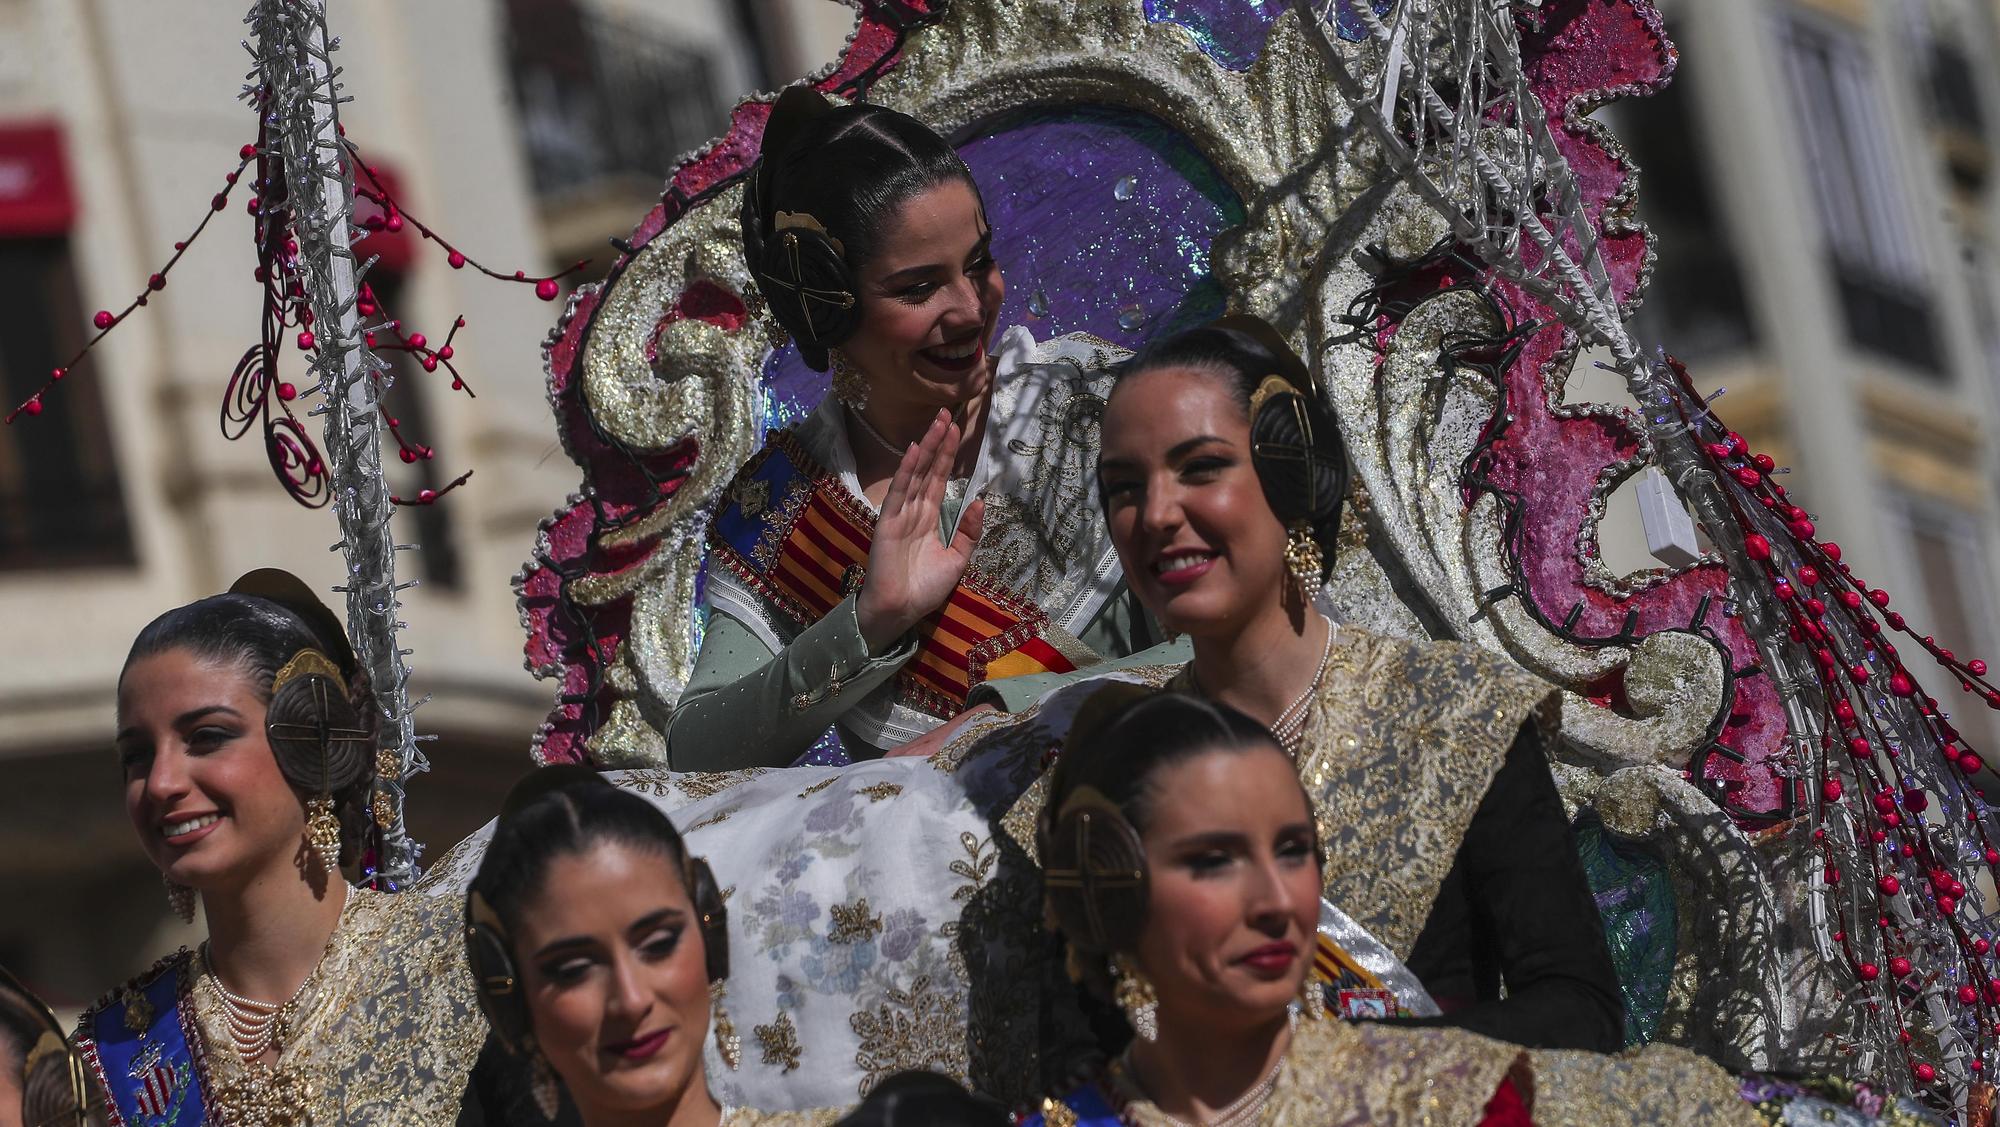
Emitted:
<point x="542" y="1085"/>
<point x="1303" y="559"/>
<point x="323" y="833"/>
<point x="1135" y="996"/>
<point x="180" y="898"/>
<point x="850" y="386"/>
<point x="1312" y="998"/>
<point x="727" y="1042"/>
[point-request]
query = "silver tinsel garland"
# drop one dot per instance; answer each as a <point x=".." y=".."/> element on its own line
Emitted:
<point x="296" y="88"/>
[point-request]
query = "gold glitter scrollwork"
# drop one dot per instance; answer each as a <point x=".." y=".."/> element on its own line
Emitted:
<point x="654" y="385"/>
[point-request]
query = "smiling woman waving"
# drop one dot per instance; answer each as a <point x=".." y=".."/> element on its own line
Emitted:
<point x="932" y="525"/>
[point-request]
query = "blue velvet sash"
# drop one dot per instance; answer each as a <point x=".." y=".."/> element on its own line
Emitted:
<point x="137" y="1044"/>
<point x="1087" y="1107"/>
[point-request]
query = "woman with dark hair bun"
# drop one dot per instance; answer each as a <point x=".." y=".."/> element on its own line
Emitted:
<point x="247" y="741"/>
<point x="600" y="948"/>
<point x="1182" y="863"/>
<point x="930" y="527"/>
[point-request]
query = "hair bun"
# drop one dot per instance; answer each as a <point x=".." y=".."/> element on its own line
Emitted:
<point x="1094" y="873"/>
<point x="808" y="287"/>
<point x="320" y="739"/>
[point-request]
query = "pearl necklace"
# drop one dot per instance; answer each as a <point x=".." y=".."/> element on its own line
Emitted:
<point x="954" y="489"/>
<point x="1290" y="725"/>
<point x="258" y="1027"/>
<point x="1243" y="1109"/>
<point x="868" y="429"/>
<point x="255" y="1027"/>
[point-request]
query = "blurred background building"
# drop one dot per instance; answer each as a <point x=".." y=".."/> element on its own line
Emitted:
<point x="529" y="132"/>
<point x="1820" y="177"/>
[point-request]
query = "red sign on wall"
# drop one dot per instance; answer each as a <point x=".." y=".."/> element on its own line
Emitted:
<point x="35" y="199"/>
<point x="396" y="250"/>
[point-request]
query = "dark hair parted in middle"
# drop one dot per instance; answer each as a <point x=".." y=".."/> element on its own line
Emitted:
<point x="561" y="811"/>
<point x="1100" y="803"/>
<point x="564" y="811"/>
<point x="1295" y="443"/>
<point x="828" y="179"/>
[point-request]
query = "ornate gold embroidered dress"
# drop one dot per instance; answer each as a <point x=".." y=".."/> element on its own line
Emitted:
<point x="1337" y="1073"/>
<point x="385" y="1031"/>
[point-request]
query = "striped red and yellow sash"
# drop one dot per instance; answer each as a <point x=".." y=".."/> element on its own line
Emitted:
<point x="806" y="549"/>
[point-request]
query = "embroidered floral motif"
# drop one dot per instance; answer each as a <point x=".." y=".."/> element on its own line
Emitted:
<point x="779" y="1042"/>
<point x="819" y="786"/>
<point x="853" y="923"/>
<point x="922" y="1027"/>
<point x="975" y="866"/>
<point x="880" y="791"/>
<point x="708" y="786"/>
<point x="712" y="819"/>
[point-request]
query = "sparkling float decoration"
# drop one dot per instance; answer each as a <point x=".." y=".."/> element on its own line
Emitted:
<point x="1851" y="745"/>
<point x="303" y="189"/>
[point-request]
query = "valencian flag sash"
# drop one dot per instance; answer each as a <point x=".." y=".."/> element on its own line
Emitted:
<point x="793" y="533"/>
<point x="139" y="1046"/>
<point x="1357" y="991"/>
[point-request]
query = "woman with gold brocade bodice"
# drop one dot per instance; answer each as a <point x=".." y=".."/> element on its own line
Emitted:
<point x="930" y="526"/>
<point x="1222" y="475"/>
<point x="247" y="740"/>
<point x="1181" y="862"/>
<point x="1182" y="865"/>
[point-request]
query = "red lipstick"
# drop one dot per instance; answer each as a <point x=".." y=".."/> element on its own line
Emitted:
<point x="641" y="1048"/>
<point x="1272" y="958"/>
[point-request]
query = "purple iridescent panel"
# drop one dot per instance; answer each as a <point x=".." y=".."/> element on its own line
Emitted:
<point x="1102" y="223"/>
<point x="1233" y="32"/>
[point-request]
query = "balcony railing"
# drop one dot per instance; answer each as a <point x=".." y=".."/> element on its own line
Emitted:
<point x="604" y="98"/>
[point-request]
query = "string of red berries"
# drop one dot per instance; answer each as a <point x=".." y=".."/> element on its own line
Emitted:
<point x="1893" y="866"/>
<point x="255" y="395"/>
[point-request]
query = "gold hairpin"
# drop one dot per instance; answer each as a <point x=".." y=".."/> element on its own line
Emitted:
<point x="1270" y="385"/>
<point x="307" y="661"/>
<point x="799" y="220"/>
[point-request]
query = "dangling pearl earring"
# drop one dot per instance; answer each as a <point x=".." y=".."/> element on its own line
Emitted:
<point x="180" y="898"/>
<point x="1303" y="559"/>
<point x="542" y="1085"/>
<point x="850" y="386"/>
<point x="727" y="1043"/>
<point x="1312" y="998"/>
<point x="1135" y="996"/>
